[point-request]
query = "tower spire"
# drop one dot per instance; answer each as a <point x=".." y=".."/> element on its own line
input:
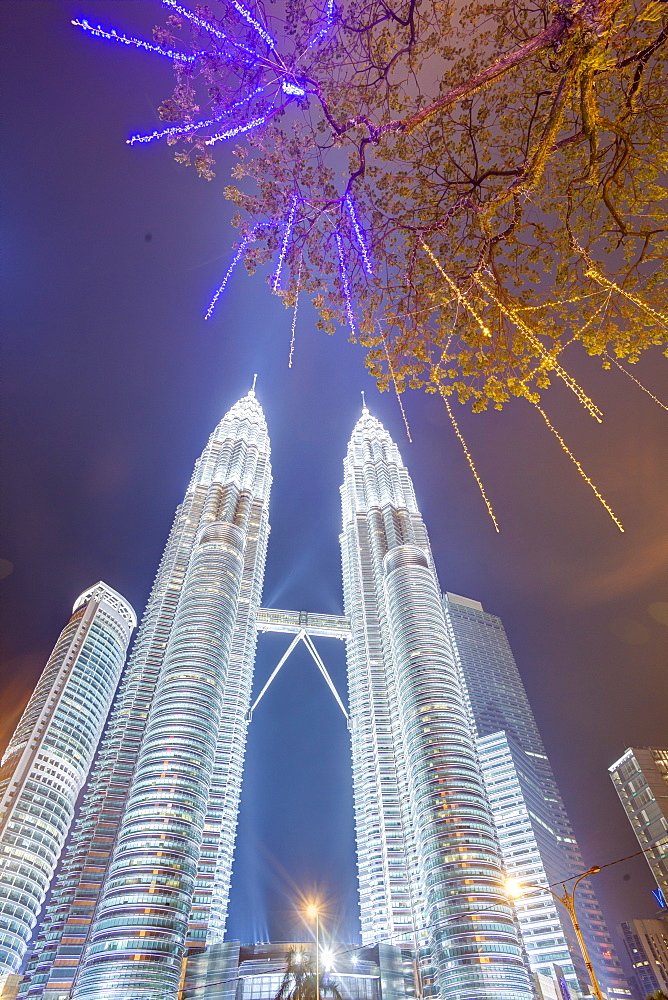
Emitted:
<point x="365" y="408"/>
<point x="253" y="385"/>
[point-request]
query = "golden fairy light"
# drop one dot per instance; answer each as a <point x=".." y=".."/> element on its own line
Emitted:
<point x="396" y="391"/>
<point x="469" y="459"/>
<point x="461" y="298"/>
<point x="591" y="272"/>
<point x="634" y="379"/>
<point x="577" y="465"/>
<point x="550" y="359"/>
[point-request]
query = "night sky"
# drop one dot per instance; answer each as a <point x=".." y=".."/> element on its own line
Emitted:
<point x="113" y="382"/>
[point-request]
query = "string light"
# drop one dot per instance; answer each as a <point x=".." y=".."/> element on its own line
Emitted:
<point x="292" y="89"/>
<point x="344" y="283"/>
<point x="294" y="314"/>
<point x="240" y="129"/>
<point x="550" y="360"/>
<point x="350" y="205"/>
<point x="591" y="272"/>
<point x="634" y="379"/>
<point x="207" y="26"/>
<point x="248" y="17"/>
<point x="329" y="18"/>
<point x="139" y="43"/>
<point x="579" y="467"/>
<point x="461" y="298"/>
<point x="469" y="459"/>
<point x="235" y="260"/>
<point x="284" y="245"/>
<point x="396" y="390"/>
<point x="199" y="21"/>
<point x="194" y="126"/>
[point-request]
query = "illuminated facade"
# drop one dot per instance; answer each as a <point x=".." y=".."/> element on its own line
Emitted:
<point x="148" y="868"/>
<point x="641" y="780"/>
<point x="544" y="849"/>
<point x="49" y="756"/>
<point x="430" y="874"/>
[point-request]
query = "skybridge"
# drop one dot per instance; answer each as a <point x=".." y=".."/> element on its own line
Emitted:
<point x="303" y="625"/>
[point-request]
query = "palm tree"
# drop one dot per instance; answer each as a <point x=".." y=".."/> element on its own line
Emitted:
<point x="299" y="981"/>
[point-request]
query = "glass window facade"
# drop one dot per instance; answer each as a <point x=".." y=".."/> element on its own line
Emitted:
<point x="49" y="756"/>
<point x="499" y="705"/>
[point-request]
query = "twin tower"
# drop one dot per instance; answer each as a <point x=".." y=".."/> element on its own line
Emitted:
<point x="147" y="871"/>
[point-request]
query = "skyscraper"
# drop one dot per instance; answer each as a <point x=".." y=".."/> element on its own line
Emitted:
<point x="498" y="704"/>
<point x="640" y="777"/>
<point x="148" y="868"/>
<point x="430" y="874"/>
<point x="49" y="756"/>
<point x="646" y="943"/>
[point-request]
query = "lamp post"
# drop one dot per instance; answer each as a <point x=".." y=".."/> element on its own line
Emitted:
<point x="313" y="912"/>
<point x="568" y="902"/>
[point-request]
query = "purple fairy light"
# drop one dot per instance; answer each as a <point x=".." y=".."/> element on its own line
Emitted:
<point x="206" y="25"/>
<point x="286" y="239"/>
<point x="247" y="16"/>
<point x="235" y="260"/>
<point x="329" y="17"/>
<point x="293" y="89"/>
<point x="350" y="205"/>
<point x="193" y="126"/>
<point x="139" y="43"/>
<point x="199" y="21"/>
<point x="344" y="284"/>
<point x="239" y="129"/>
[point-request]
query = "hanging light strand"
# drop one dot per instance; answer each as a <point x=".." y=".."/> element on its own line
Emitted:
<point x="577" y="465"/>
<point x="469" y="459"/>
<point x="112" y="35"/>
<point x="550" y="359"/>
<point x="350" y="205"/>
<point x="591" y="272"/>
<point x="634" y="379"/>
<point x="286" y="239"/>
<point x="294" y="313"/>
<point x="484" y="329"/>
<point x="228" y="274"/>
<point x="396" y="389"/>
<point x="344" y="283"/>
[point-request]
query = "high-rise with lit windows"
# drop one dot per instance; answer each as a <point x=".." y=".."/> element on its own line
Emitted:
<point x="49" y="756"/>
<point x="640" y="777"/>
<point x="535" y="833"/>
<point x="147" y="871"/>
<point x="430" y="873"/>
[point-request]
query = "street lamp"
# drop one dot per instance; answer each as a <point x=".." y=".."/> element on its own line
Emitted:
<point x="313" y="912"/>
<point x="516" y="889"/>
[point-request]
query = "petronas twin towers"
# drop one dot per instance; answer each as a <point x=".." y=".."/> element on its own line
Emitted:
<point x="147" y="872"/>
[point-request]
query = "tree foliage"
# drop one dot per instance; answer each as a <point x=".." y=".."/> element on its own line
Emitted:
<point x="502" y="162"/>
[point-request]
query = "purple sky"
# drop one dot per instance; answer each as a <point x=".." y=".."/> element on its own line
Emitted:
<point x="112" y="383"/>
